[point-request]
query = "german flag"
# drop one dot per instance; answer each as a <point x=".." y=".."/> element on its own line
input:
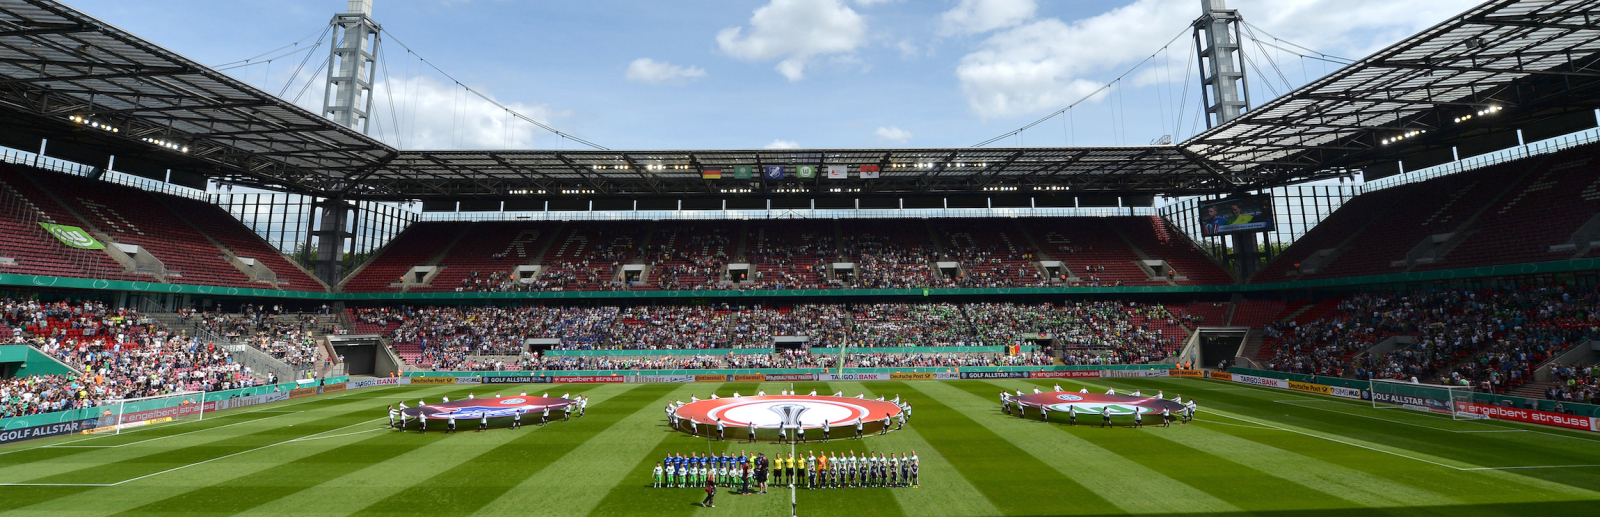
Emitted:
<point x="711" y="174"/>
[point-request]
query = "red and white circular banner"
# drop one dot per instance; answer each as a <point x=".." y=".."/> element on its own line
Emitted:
<point x="1092" y="403"/>
<point x="773" y="411"/>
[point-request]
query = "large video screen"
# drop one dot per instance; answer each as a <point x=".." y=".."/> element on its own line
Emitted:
<point x="1236" y="215"/>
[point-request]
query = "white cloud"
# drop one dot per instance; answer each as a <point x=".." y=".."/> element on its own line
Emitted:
<point x="979" y="16"/>
<point x="794" y="32"/>
<point x="870" y="3"/>
<point x="435" y="115"/>
<point x="646" y="70"/>
<point x="783" y="144"/>
<point x="893" y="134"/>
<point x="1047" y="64"/>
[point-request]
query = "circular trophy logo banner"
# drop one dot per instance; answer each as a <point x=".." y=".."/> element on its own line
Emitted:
<point x="804" y="411"/>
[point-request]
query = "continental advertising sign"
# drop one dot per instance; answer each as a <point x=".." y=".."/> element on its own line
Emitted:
<point x="911" y="376"/>
<point x="1185" y="373"/>
<point x="749" y="377"/>
<point x="333" y="387"/>
<point x="302" y="392"/>
<point x="1221" y="376"/>
<point x="710" y="378"/>
<point x="433" y="380"/>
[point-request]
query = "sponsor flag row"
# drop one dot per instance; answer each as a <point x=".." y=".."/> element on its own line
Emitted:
<point x="805" y="172"/>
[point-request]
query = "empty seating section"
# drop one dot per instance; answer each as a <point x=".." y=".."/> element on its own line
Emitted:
<point x="1541" y="211"/>
<point x="243" y="242"/>
<point x="133" y="216"/>
<point x="37" y="252"/>
<point x="184" y="234"/>
<point x="1344" y="222"/>
<point x="1161" y="242"/>
<point x="1088" y="247"/>
<point x="483" y="259"/>
<point x="1511" y="213"/>
<point x="413" y="247"/>
<point x="1255" y="313"/>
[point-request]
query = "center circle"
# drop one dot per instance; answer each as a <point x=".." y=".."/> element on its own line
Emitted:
<point x="762" y="413"/>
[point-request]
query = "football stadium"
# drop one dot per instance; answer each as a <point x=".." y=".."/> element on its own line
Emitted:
<point x="1374" y="287"/>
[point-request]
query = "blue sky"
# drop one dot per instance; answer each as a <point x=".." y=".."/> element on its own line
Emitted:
<point x="741" y="74"/>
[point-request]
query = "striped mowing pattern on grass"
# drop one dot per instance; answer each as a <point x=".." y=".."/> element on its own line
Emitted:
<point x="1251" y="450"/>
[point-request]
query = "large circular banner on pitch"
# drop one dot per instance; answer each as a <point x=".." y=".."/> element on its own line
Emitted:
<point x="1092" y="403"/>
<point x="769" y="412"/>
<point x="470" y="409"/>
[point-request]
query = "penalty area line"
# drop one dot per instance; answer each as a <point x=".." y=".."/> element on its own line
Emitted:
<point x="1394" y="421"/>
<point x="1357" y="445"/>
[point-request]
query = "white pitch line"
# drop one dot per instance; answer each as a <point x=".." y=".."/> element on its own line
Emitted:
<point x="1374" y="449"/>
<point x="66" y="446"/>
<point x="1533" y="467"/>
<point x="1390" y="420"/>
<point x="338" y="435"/>
<point x="268" y="409"/>
<point x="195" y="463"/>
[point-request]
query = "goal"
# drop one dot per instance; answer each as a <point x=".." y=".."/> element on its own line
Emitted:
<point x="1433" y="398"/>
<point x="130" y="413"/>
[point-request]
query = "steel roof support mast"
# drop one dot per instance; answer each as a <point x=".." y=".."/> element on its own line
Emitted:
<point x="1226" y="95"/>
<point x="352" y="67"/>
<point x="347" y="99"/>
<point x="1222" y="80"/>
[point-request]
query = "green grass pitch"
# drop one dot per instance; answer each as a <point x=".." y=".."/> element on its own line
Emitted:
<point x="1252" y="450"/>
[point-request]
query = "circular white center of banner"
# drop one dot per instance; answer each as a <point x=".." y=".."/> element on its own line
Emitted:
<point x="768" y="414"/>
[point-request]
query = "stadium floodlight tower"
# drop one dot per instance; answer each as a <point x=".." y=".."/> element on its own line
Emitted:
<point x="1222" y="80"/>
<point x="1225" y="94"/>
<point x="352" y="67"/>
<point x="346" y="99"/>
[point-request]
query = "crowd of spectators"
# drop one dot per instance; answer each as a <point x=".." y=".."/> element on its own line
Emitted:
<point x="285" y="336"/>
<point x="1490" y="339"/>
<point x="1575" y="383"/>
<point x="120" y="354"/>
<point x="454" y="336"/>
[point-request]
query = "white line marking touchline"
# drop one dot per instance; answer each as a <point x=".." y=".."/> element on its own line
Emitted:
<point x="195" y="463"/>
<point x="67" y="445"/>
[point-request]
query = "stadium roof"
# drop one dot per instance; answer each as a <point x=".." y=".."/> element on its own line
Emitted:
<point x="65" y="73"/>
<point x="57" y="63"/>
<point x="1532" y="58"/>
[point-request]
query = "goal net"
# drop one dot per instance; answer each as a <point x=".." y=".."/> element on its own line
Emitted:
<point x="116" y="416"/>
<point x="1433" y="398"/>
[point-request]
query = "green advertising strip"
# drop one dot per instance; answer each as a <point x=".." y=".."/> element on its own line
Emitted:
<point x="653" y="353"/>
<point x="1578" y="409"/>
<point x="761" y="351"/>
<point x="782" y="371"/>
<point x="94" y="412"/>
<point x="33" y="361"/>
<point x="73" y="236"/>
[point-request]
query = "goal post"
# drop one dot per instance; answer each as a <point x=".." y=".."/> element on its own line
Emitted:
<point x="1439" y="399"/>
<point x="115" y="416"/>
